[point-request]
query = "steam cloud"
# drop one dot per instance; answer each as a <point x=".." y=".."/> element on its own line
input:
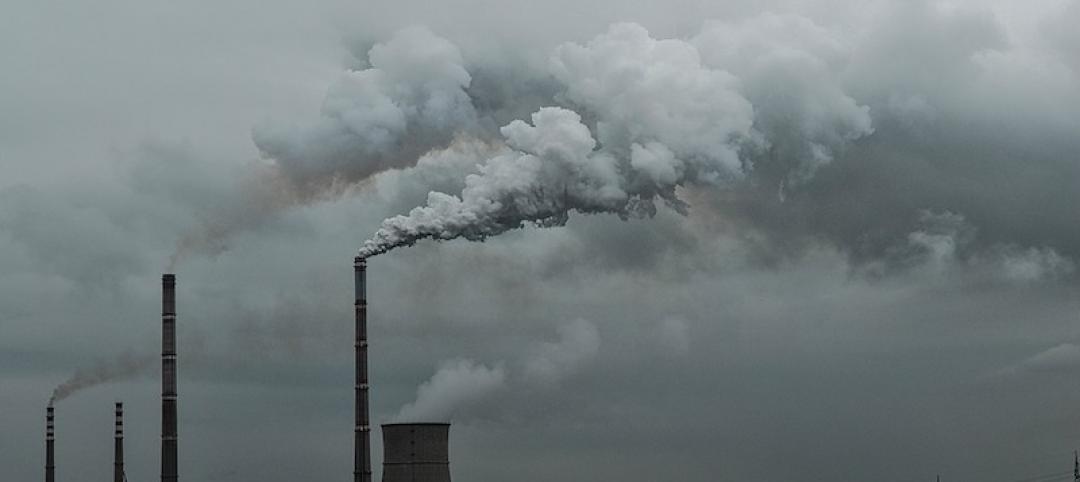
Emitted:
<point x="663" y="119"/>
<point x="456" y="383"/>
<point x="125" y="367"/>
<point x="742" y="117"/>
<point x="460" y="385"/>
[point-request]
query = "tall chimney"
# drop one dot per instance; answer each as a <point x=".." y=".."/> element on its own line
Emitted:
<point x="168" y="379"/>
<point x="416" y="452"/>
<point x="118" y="445"/>
<point x="362" y="432"/>
<point x="50" y="461"/>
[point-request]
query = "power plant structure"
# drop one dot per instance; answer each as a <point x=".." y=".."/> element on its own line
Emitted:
<point x="50" y="437"/>
<point x="118" y="445"/>
<point x="416" y="452"/>
<point x="168" y="379"/>
<point x="413" y="452"/>
<point x="362" y="431"/>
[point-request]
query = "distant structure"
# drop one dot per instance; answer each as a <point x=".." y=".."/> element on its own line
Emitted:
<point x="362" y="429"/>
<point x="1076" y="467"/>
<point x="168" y="379"/>
<point x="416" y="452"/>
<point x="50" y="461"/>
<point x="118" y="445"/>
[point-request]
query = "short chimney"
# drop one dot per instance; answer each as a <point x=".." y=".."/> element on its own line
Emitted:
<point x="416" y="452"/>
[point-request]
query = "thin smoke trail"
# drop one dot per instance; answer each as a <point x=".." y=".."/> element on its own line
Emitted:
<point x="124" y="367"/>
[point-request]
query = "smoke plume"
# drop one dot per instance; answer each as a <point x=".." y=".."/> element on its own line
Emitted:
<point x="124" y="367"/>
<point x="456" y="383"/>
<point x="410" y="100"/>
<point x="459" y="387"/>
<point x="663" y="119"/>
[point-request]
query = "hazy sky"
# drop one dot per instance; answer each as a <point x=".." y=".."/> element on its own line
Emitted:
<point x="850" y="250"/>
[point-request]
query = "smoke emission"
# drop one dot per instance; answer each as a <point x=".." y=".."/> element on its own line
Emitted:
<point x="460" y="388"/>
<point x="410" y="100"/>
<point x="126" y="366"/>
<point x="663" y="119"/>
<point x="898" y="219"/>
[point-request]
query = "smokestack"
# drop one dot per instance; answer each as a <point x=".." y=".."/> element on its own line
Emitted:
<point x="50" y="461"/>
<point x="118" y="446"/>
<point x="362" y="444"/>
<point x="416" y="452"/>
<point x="168" y="379"/>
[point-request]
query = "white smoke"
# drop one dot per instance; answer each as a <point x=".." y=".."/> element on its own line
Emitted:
<point x="456" y="383"/>
<point x="947" y="243"/>
<point x="460" y="385"/>
<point x="412" y="99"/>
<point x="789" y="69"/>
<point x="552" y="169"/>
<point x="1033" y="264"/>
<point x="663" y="119"/>
<point x="644" y="90"/>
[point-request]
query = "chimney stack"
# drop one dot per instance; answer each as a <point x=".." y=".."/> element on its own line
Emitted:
<point x="416" y="452"/>
<point x="50" y="461"/>
<point x="362" y="432"/>
<point x="118" y="450"/>
<point x="168" y="379"/>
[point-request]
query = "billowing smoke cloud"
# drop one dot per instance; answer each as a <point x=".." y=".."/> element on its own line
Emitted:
<point x="456" y="383"/>
<point x="788" y="67"/>
<point x="460" y="385"/>
<point x="663" y="120"/>
<point x="412" y="99"/>
<point x="647" y="93"/>
<point x="123" y="367"/>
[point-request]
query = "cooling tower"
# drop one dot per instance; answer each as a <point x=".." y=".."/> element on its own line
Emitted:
<point x="118" y="445"/>
<point x="50" y="461"/>
<point x="168" y="379"/>
<point x="362" y="431"/>
<point x="416" y="452"/>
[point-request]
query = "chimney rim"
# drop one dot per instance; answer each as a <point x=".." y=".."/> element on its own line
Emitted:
<point x="399" y="424"/>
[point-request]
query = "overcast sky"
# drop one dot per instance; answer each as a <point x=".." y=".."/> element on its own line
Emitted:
<point x="726" y="240"/>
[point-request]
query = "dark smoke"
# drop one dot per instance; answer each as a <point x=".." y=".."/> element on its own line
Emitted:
<point x="124" y="367"/>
